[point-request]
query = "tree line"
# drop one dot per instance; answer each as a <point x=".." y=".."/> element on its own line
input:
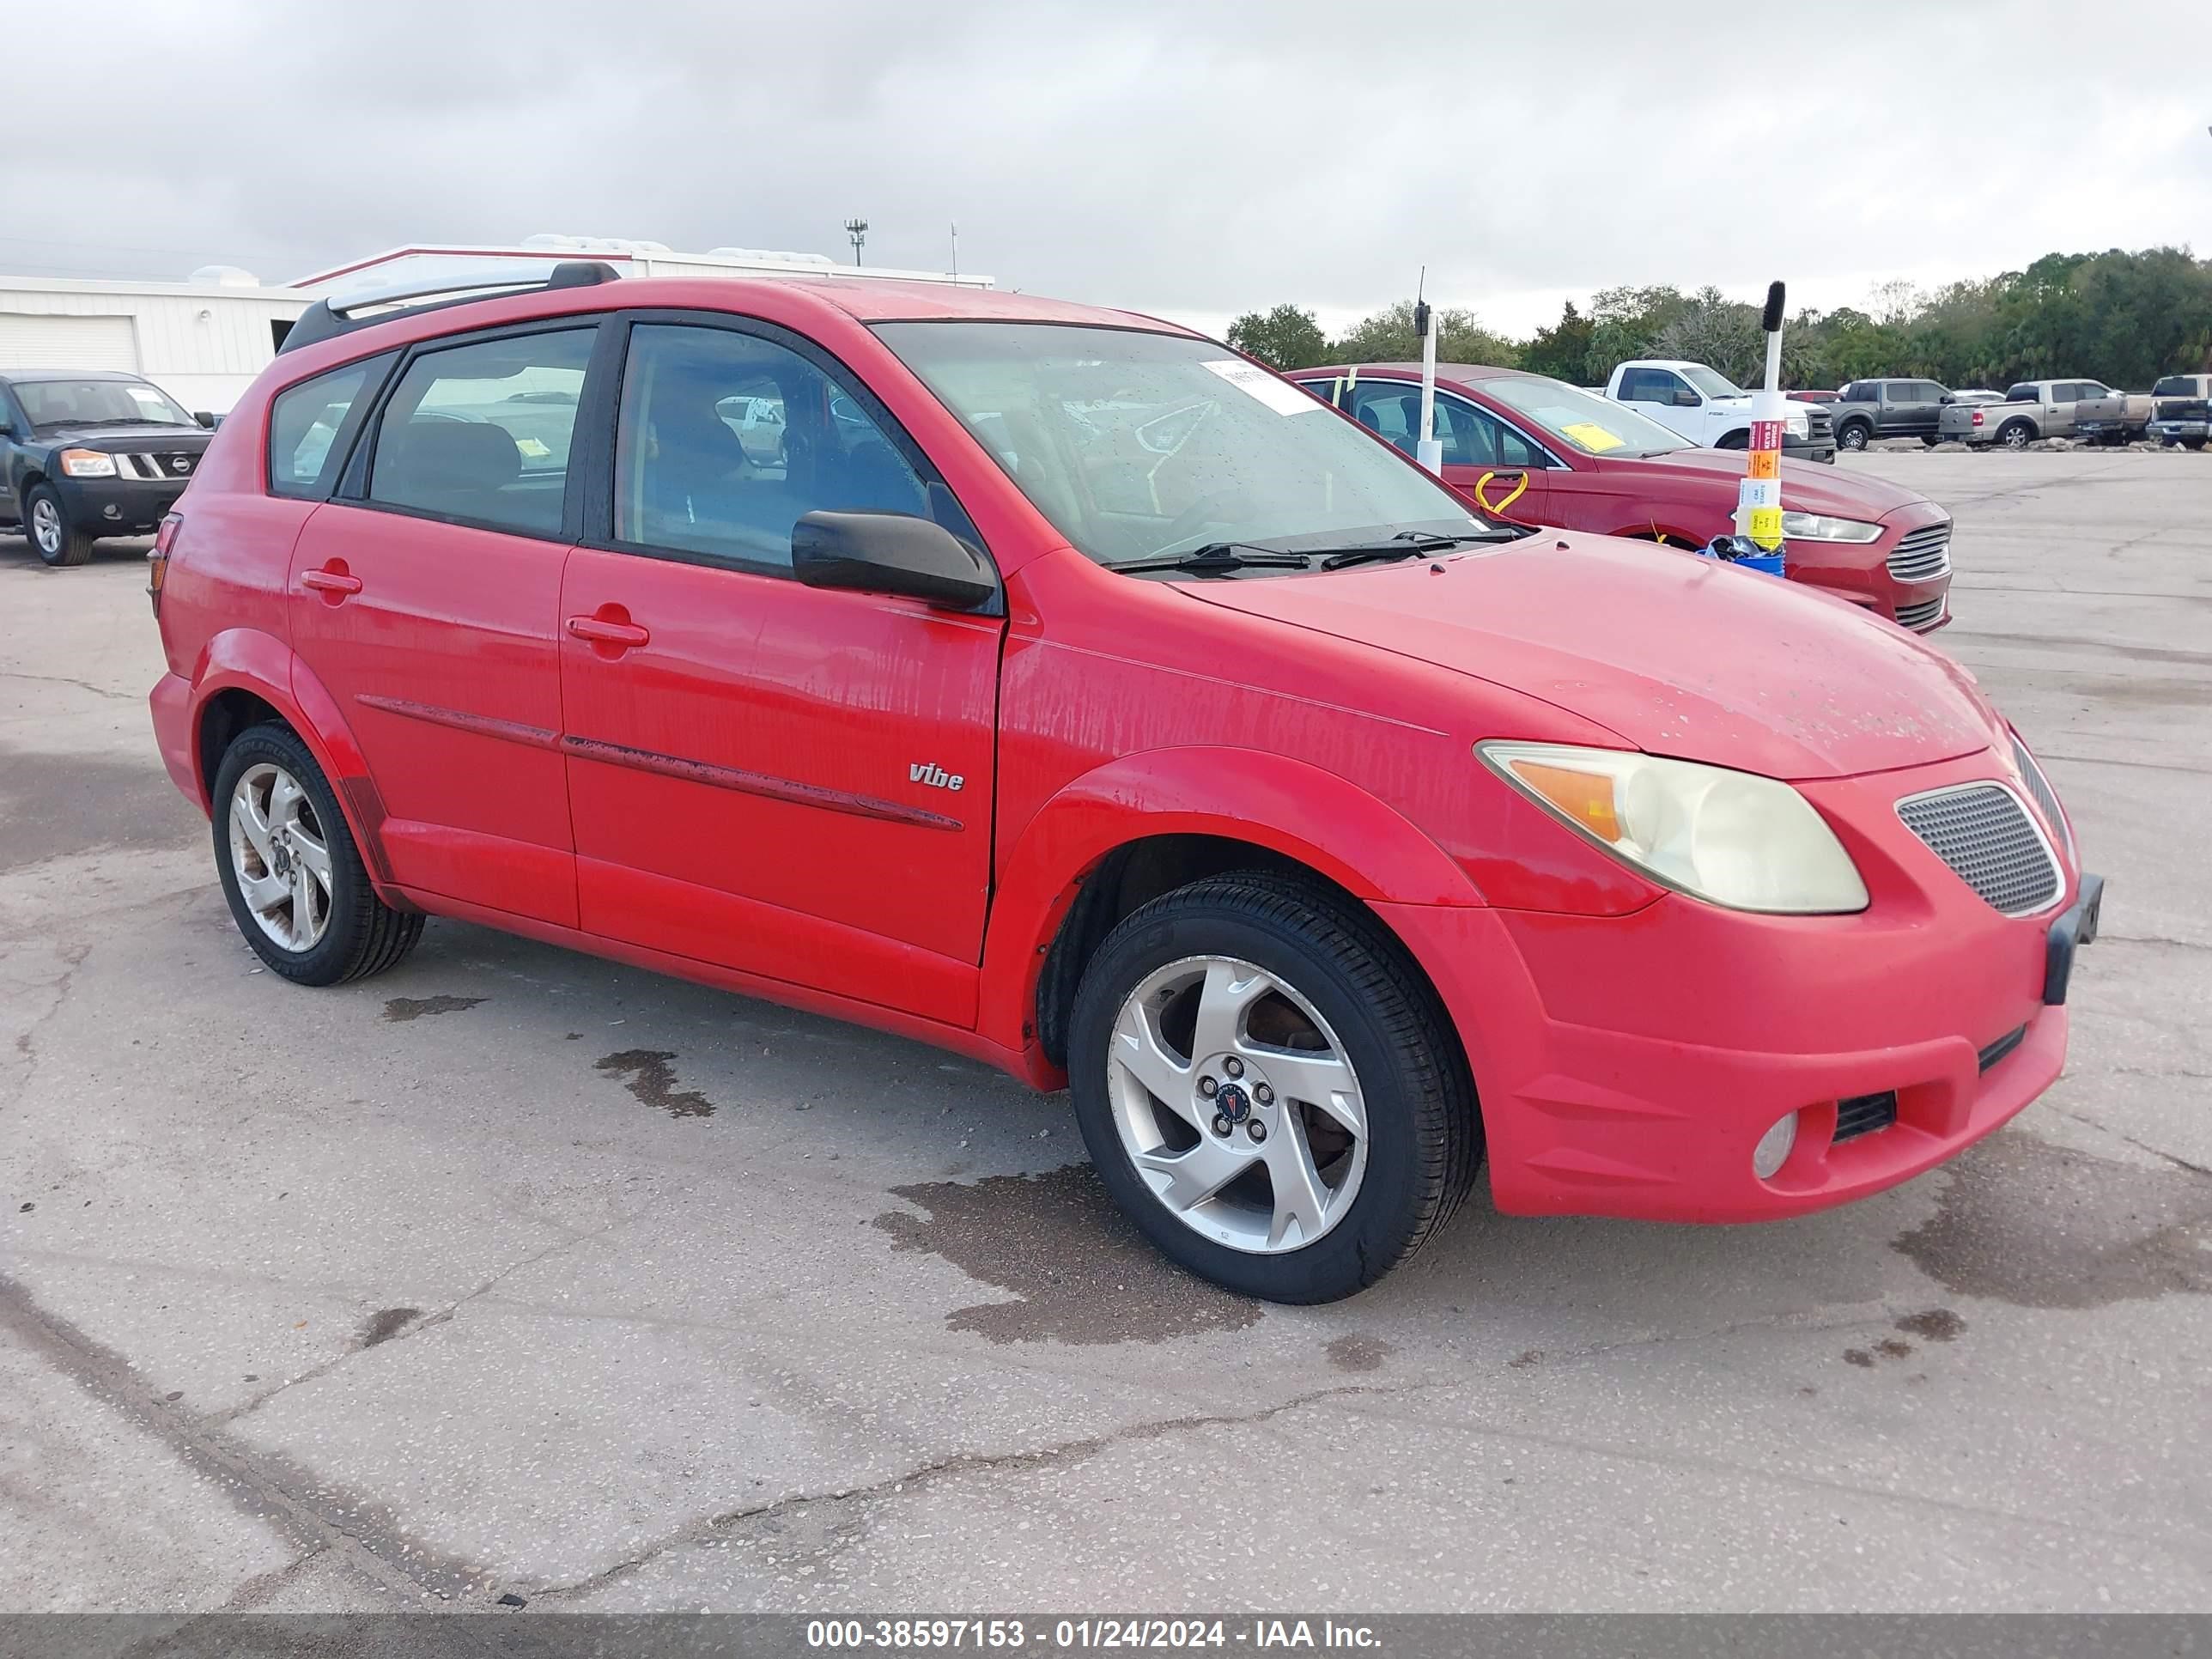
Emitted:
<point x="2125" y="317"/>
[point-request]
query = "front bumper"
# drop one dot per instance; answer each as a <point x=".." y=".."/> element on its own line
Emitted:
<point x="118" y="507"/>
<point x="1810" y="449"/>
<point x="1626" y="1065"/>
<point x="1860" y="572"/>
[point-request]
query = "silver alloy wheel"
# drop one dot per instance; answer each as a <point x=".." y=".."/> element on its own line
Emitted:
<point x="2015" y="437"/>
<point x="1237" y="1105"/>
<point x="280" y="856"/>
<point x="46" y="528"/>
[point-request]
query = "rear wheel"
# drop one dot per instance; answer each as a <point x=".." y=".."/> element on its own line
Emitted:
<point x="1852" y="434"/>
<point x="295" y="880"/>
<point x="46" y="521"/>
<point x="2015" y="434"/>
<point x="2192" y="443"/>
<point x="1269" y="1090"/>
<point x="1929" y="440"/>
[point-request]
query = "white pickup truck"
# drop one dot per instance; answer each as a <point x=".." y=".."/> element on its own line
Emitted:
<point x="1711" y="411"/>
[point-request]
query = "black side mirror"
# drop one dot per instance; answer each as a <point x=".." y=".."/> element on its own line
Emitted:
<point x="211" y="421"/>
<point x="891" y="553"/>
<point x="1686" y="398"/>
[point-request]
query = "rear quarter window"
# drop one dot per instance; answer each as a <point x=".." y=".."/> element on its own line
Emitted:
<point x="307" y="423"/>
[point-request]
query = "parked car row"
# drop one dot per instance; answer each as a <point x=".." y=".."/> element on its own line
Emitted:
<point x="2173" y="411"/>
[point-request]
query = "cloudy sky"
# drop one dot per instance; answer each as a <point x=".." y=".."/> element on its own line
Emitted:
<point x="1177" y="156"/>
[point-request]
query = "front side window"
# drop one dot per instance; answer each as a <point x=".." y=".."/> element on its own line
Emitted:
<point x="304" y="423"/>
<point x="98" y="403"/>
<point x="1138" y="445"/>
<point x="1650" y="385"/>
<point x="481" y="432"/>
<point x="727" y="441"/>
<point x="1581" y="420"/>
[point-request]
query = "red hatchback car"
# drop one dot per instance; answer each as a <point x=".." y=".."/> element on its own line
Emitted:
<point x="1051" y="684"/>
<point x="1547" y="453"/>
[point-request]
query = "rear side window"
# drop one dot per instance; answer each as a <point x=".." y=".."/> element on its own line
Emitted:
<point x="306" y="422"/>
<point x="480" y="433"/>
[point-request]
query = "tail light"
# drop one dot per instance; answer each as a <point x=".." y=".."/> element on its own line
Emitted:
<point x="1978" y="417"/>
<point x="157" y="561"/>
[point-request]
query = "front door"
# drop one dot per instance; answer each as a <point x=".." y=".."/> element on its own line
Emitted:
<point x="789" y="782"/>
<point x="426" y="598"/>
<point x="1485" y="459"/>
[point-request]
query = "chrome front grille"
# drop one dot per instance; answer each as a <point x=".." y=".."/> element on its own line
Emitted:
<point x="1984" y="833"/>
<point x="2039" y="790"/>
<point x="169" y="465"/>
<point x="1921" y="616"/>
<point x="1921" y="554"/>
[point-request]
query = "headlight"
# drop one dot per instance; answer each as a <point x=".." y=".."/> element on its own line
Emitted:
<point x="1813" y="528"/>
<point x="1799" y="425"/>
<point x="1748" y="843"/>
<point x="87" y="464"/>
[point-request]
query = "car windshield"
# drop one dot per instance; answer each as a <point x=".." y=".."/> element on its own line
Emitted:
<point x="87" y="402"/>
<point x="1597" y="426"/>
<point x="1713" y="385"/>
<point x="1142" y="446"/>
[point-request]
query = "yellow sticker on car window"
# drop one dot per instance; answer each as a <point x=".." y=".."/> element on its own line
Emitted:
<point x="1591" y="436"/>
<point x="533" y="447"/>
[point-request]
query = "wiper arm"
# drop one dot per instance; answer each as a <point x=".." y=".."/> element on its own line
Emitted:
<point x="1217" y="557"/>
<point x="1406" y="544"/>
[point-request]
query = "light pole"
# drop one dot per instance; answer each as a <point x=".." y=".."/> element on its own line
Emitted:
<point x="858" y="230"/>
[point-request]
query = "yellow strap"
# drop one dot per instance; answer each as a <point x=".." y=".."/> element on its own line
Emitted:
<point x="1498" y="509"/>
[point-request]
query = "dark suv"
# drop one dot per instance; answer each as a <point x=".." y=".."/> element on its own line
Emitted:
<point x="1868" y="410"/>
<point x="91" y="453"/>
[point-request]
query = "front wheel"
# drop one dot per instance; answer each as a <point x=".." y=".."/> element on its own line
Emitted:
<point x="47" y="522"/>
<point x="295" y="880"/>
<point x="1852" y="437"/>
<point x="1268" y="1088"/>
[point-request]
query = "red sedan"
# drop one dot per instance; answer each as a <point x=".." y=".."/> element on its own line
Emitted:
<point x="1538" y="451"/>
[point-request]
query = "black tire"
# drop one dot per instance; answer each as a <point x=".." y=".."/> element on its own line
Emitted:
<point x="1929" y="440"/>
<point x="2192" y="443"/>
<point x="2017" y="435"/>
<point x="57" y="542"/>
<point x="1425" y="1131"/>
<point x="363" y="935"/>
<point x="1853" y="436"/>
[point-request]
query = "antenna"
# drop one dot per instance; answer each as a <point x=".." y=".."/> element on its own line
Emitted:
<point x="955" y="253"/>
<point x="858" y="230"/>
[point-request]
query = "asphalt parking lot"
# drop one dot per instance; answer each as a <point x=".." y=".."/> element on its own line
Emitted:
<point x="516" y="1273"/>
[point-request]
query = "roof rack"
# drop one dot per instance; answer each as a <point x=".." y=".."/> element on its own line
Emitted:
<point x="328" y="319"/>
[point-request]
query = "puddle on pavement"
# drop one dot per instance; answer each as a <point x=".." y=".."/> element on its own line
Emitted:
<point x="1083" y="1275"/>
<point x="52" y="804"/>
<point x="653" y="1080"/>
<point x="2039" y="1225"/>
<point x="401" y="1009"/>
<point x="1358" y="1353"/>
<point x="385" y="1324"/>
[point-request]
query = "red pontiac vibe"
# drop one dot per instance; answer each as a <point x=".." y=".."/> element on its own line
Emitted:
<point x="1049" y="684"/>
<point x="1592" y="463"/>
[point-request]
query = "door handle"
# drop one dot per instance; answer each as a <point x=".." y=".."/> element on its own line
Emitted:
<point x="331" y="581"/>
<point x="608" y="632"/>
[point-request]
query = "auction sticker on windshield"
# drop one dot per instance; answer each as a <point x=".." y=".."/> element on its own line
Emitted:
<point x="1591" y="436"/>
<point x="1279" y="395"/>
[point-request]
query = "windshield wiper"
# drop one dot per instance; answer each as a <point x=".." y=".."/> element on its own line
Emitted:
<point x="1218" y="557"/>
<point x="1405" y="544"/>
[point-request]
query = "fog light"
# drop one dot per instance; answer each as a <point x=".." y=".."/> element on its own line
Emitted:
<point x="1773" y="1148"/>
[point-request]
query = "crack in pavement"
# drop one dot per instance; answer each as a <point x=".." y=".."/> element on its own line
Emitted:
<point x="247" y="1481"/>
<point x="1068" y="1451"/>
<point x="2179" y="1163"/>
<point x="65" y="679"/>
<point x="417" y="1326"/>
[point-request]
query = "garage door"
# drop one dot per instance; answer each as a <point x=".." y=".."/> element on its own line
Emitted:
<point x="36" y="341"/>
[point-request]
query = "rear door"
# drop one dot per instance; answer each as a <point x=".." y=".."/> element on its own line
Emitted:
<point x="1483" y="460"/>
<point x="789" y="782"/>
<point x="426" y="598"/>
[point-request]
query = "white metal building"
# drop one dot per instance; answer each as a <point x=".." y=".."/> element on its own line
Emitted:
<point x="202" y="340"/>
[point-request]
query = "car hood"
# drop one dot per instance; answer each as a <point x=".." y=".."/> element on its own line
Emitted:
<point x="121" y="437"/>
<point x="1807" y="486"/>
<point x="1679" y="655"/>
